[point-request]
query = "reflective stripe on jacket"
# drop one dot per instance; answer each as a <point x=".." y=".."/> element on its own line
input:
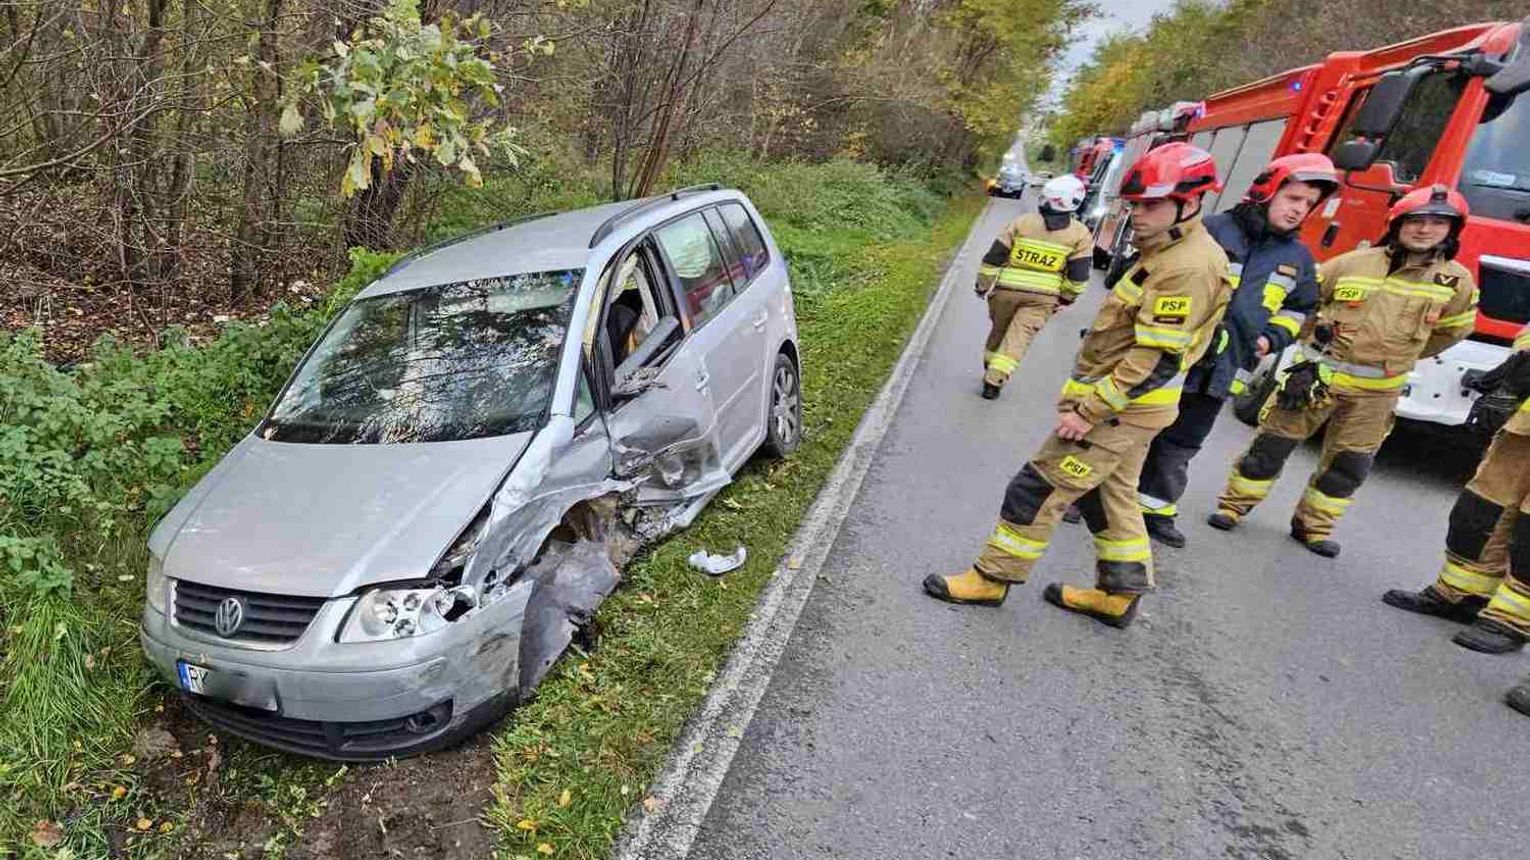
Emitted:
<point x="1027" y="256"/>
<point x="1155" y="323"/>
<point x="1384" y="321"/>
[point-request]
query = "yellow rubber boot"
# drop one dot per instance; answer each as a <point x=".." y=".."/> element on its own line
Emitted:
<point x="967" y="587"/>
<point x="1117" y="610"/>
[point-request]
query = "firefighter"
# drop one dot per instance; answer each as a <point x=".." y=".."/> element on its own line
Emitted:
<point x="1274" y="289"/>
<point x="1380" y="310"/>
<point x="1040" y="262"/>
<point x="1156" y="321"/>
<point x="1485" y="580"/>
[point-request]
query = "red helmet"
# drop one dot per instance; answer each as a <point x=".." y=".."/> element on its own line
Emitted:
<point x="1310" y="167"/>
<point x="1174" y="171"/>
<point x="1433" y="200"/>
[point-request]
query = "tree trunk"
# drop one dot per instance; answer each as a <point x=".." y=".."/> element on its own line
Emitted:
<point x="252" y="232"/>
<point x="369" y="223"/>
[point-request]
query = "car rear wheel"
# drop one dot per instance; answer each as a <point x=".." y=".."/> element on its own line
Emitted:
<point x="783" y="423"/>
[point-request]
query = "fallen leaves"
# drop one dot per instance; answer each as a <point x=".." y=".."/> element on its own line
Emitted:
<point x="47" y="834"/>
<point x="565" y="798"/>
<point x="546" y="848"/>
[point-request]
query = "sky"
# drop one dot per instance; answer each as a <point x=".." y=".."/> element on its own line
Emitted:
<point x="1115" y="15"/>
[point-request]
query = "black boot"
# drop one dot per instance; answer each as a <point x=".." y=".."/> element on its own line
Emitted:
<point x="1519" y="697"/>
<point x="1161" y="528"/>
<point x="1490" y="637"/>
<point x="1324" y="548"/>
<point x="1222" y="521"/>
<point x="1072" y="516"/>
<point x="990" y="391"/>
<point x="1427" y="601"/>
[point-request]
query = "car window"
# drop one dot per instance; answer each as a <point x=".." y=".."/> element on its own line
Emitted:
<point x="584" y="399"/>
<point x="698" y="263"/>
<point x="634" y="307"/>
<point x="730" y="252"/>
<point x="458" y="361"/>
<point x="746" y="236"/>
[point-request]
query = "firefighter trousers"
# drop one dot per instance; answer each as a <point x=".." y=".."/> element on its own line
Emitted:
<point x="1099" y="473"/>
<point x="1357" y="425"/>
<point x="1015" y="316"/>
<point x="1487" y="548"/>
<point x="1167" y="468"/>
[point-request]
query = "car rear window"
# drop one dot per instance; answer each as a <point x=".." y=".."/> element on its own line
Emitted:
<point x="746" y="237"/>
<point x="698" y="263"/>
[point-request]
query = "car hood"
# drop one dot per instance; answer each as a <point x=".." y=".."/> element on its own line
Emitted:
<point x="324" y="520"/>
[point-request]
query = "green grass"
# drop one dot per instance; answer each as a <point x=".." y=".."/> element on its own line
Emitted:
<point x="74" y="688"/>
<point x="603" y="722"/>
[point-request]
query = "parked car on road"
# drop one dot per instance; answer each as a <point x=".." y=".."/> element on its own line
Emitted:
<point x="447" y="486"/>
<point x="1009" y="182"/>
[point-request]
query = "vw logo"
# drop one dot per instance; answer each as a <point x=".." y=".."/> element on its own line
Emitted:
<point x="230" y="616"/>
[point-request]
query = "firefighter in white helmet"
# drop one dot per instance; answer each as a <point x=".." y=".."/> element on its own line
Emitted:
<point x="1038" y="263"/>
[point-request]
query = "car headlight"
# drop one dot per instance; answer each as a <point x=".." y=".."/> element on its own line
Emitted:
<point x="155" y="586"/>
<point x="398" y="613"/>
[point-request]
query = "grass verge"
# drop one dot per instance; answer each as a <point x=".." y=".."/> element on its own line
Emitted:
<point x="575" y="760"/>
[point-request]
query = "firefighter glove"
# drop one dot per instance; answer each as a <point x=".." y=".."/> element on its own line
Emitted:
<point x="1303" y="386"/>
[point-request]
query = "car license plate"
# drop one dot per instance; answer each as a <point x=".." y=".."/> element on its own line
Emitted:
<point x="194" y="678"/>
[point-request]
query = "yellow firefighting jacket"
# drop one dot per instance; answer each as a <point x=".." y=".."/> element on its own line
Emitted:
<point x="1519" y="422"/>
<point x="1157" y="321"/>
<point x="1382" y="322"/>
<point x="1027" y="256"/>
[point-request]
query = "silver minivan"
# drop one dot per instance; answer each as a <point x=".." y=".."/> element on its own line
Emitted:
<point x="447" y="486"/>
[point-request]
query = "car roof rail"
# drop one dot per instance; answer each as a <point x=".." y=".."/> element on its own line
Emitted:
<point x="410" y="257"/>
<point x="610" y="224"/>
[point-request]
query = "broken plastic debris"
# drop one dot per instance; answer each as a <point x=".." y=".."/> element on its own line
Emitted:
<point x="717" y="565"/>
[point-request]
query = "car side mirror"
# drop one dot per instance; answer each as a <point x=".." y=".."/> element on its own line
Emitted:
<point x="1514" y="78"/>
<point x="1356" y="154"/>
<point x="1384" y="103"/>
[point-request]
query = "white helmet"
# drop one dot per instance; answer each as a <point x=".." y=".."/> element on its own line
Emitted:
<point x="1063" y="193"/>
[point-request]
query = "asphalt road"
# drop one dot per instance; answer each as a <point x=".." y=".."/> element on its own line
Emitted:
<point x="1265" y="705"/>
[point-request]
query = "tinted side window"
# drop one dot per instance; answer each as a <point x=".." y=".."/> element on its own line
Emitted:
<point x="698" y="263"/>
<point x="1255" y="154"/>
<point x="720" y="232"/>
<point x="746" y="236"/>
<point x="1423" y="119"/>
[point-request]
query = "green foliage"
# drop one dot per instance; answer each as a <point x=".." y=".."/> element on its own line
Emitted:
<point x="401" y="86"/>
<point x="89" y="458"/>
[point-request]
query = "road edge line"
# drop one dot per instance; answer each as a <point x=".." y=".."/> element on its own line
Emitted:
<point x="701" y="758"/>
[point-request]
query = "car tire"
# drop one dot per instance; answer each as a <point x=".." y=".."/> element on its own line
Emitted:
<point x="783" y="418"/>
<point x="1250" y="403"/>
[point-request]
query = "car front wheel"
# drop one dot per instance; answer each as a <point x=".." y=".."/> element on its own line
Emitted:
<point x="783" y="423"/>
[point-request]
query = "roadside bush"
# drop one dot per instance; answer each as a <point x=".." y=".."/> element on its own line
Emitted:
<point x="88" y="460"/>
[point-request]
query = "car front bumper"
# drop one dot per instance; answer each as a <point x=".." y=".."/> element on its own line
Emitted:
<point x="356" y="701"/>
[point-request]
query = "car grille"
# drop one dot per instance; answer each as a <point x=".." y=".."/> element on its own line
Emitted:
<point x="368" y="739"/>
<point x="270" y="619"/>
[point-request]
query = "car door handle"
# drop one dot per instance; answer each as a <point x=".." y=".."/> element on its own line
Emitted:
<point x="760" y="321"/>
<point x="702" y="379"/>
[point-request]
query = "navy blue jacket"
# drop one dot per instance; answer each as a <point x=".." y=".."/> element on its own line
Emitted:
<point x="1274" y="289"/>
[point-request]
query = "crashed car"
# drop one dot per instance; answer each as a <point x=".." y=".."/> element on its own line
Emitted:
<point x="445" y="489"/>
<point x="1010" y="182"/>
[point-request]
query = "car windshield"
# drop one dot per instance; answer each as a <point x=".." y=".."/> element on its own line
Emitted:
<point x="459" y="361"/>
<point x="1496" y="175"/>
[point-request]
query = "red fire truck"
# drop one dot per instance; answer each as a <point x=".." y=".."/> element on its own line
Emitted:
<point x="1452" y="107"/>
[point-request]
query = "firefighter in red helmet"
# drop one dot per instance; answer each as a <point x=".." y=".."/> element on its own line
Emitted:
<point x="1381" y="309"/>
<point x="1155" y="323"/>
<point x="1274" y="289"/>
